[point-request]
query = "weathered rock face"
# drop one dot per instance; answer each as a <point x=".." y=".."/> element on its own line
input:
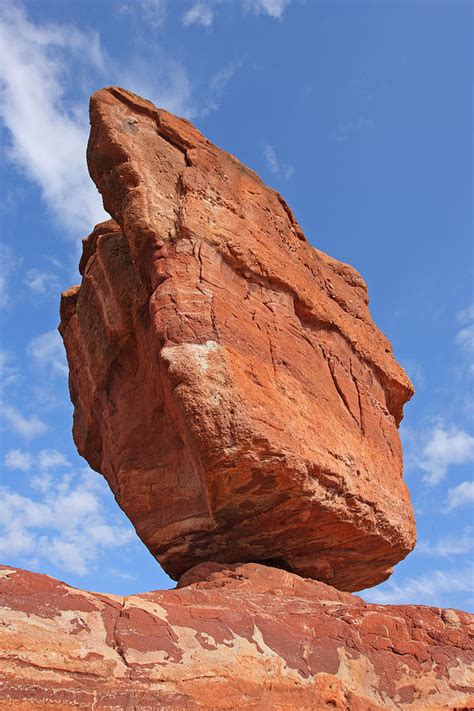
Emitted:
<point x="227" y="378"/>
<point x="228" y="638"/>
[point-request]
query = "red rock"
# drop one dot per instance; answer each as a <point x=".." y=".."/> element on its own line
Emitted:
<point x="235" y="637"/>
<point x="227" y="378"/>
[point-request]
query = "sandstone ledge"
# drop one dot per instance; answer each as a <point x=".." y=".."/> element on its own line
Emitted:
<point x="229" y="637"/>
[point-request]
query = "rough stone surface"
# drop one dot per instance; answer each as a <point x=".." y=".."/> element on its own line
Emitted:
<point x="227" y="378"/>
<point x="235" y="637"/>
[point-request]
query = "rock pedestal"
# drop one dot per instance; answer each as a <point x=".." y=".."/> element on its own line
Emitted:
<point x="230" y="637"/>
<point x="227" y="378"/>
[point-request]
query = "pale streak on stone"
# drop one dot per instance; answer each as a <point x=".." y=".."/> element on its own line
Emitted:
<point x="190" y="354"/>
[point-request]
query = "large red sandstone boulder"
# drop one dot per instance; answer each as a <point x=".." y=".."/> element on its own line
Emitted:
<point x="237" y="637"/>
<point x="227" y="378"/>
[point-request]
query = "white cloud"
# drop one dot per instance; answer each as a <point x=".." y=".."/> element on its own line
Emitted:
<point x="44" y="461"/>
<point x="49" y="458"/>
<point x="154" y="12"/>
<point x="48" y="128"/>
<point x="67" y="526"/>
<point x="47" y="351"/>
<point x="217" y="86"/>
<point x="276" y="166"/>
<point x="42" y="282"/>
<point x="6" y="268"/>
<point x="17" y="459"/>
<point x="466" y="315"/>
<point x="8" y="371"/>
<point x="449" y="545"/>
<point x="47" y="139"/>
<point x="273" y="8"/>
<point x="465" y="337"/>
<point x="460" y="495"/>
<point x="220" y="79"/>
<point x="445" y="447"/>
<point x="150" y="13"/>
<point x="198" y="14"/>
<point x="27" y="427"/>
<point x="427" y="589"/>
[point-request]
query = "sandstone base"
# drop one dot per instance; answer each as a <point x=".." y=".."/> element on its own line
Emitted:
<point x="235" y="637"/>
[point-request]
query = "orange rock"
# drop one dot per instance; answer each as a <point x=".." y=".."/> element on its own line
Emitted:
<point x="227" y="378"/>
<point x="234" y="637"/>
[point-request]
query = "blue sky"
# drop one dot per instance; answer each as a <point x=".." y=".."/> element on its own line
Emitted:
<point x="360" y="114"/>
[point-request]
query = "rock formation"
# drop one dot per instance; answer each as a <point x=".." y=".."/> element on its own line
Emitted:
<point x="235" y="637"/>
<point x="229" y="383"/>
<point x="227" y="378"/>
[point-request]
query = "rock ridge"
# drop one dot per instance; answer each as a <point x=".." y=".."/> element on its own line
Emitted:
<point x="228" y="637"/>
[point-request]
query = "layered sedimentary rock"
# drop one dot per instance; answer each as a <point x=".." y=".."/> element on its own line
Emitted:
<point x="228" y="638"/>
<point x="227" y="378"/>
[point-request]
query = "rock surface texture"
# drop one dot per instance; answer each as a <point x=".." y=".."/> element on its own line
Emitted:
<point x="235" y="637"/>
<point x="227" y="378"/>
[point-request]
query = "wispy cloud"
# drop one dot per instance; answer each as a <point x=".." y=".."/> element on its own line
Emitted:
<point x="465" y="336"/>
<point x="152" y="13"/>
<point x="7" y="264"/>
<point x="448" y="545"/>
<point x="217" y="86"/>
<point x="17" y="459"/>
<point x="65" y="526"/>
<point x="23" y="425"/>
<point x="47" y="139"/>
<point x="275" y="165"/>
<point x="47" y="351"/>
<point x="45" y="460"/>
<point x="200" y="13"/>
<point x="41" y="282"/>
<point x="427" y="589"/>
<point x="444" y="447"/>
<point x="460" y="495"/>
<point x="273" y="8"/>
<point x="9" y="372"/>
<point x="48" y="128"/>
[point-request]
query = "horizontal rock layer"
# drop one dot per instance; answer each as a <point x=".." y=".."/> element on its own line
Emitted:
<point x="227" y="378"/>
<point x="243" y="636"/>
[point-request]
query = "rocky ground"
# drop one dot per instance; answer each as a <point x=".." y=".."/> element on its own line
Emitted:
<point x="229" y="637"/>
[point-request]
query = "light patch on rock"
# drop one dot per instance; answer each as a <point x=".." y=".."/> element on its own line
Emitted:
<point x="185" y="353"/>
<point x="5" y="573"/>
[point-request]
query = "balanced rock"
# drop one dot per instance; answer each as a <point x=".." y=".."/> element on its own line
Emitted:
<point x="235" y="637"/>
<point x="227" y="378"/>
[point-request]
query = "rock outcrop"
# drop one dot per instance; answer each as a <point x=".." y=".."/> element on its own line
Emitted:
<point x="227" y="378"/>
<point x="236" y="637"/>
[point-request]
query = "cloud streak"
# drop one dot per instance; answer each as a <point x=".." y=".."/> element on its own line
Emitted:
<point x="27" y="427"/>
<point x="460" y="496"/>
<point x="445" y="447"/>
<point x="47" y="351"/>
<point x="275" y="165"/>
<point x="427" y="589"/>
<point x="198" y="14"/>
<point x="47" y="139"/>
